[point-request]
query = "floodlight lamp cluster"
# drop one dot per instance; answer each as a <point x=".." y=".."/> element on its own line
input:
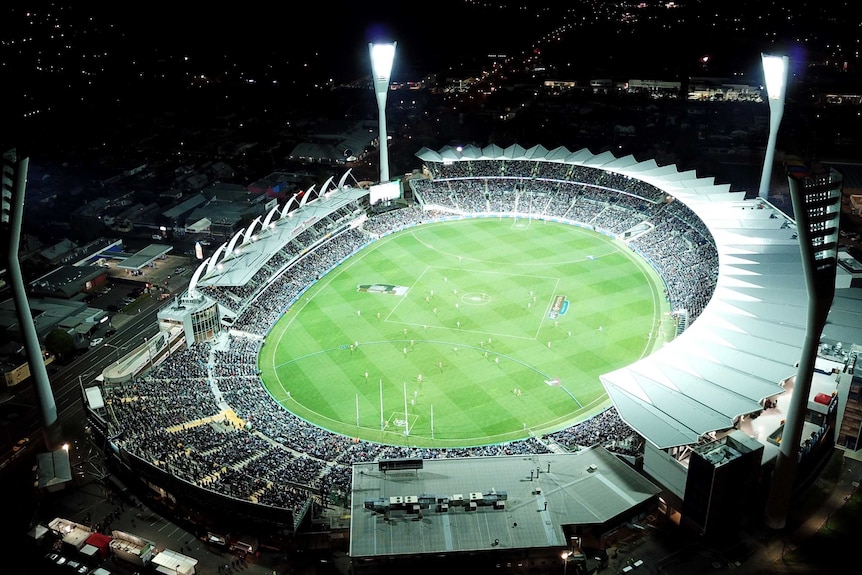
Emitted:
<point x="382" y="57"/>
<point x="775" y="75"/>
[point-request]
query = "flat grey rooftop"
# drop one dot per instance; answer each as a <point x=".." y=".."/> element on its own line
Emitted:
<point x="543" y="493"/>
<point x="145" y="256"/>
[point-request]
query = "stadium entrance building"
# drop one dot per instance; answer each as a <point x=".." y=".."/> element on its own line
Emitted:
<point x="226" y="283"/>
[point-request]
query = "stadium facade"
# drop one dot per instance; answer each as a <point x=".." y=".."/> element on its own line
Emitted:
<point x="707" y="405"/>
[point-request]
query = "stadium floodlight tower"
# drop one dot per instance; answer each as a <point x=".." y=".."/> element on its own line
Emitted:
<point x="14" y="183"/>
<point x="817" y="204"/>
<point x="775" y="75"/>
<point x="382" y="57"/>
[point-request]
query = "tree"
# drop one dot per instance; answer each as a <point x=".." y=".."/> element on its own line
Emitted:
<point x="60" y="343"/>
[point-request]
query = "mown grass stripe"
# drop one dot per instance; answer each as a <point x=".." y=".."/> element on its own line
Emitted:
<point x="470" y="381"/>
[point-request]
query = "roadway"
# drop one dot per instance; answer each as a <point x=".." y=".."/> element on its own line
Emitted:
<point x="66" y="382"/>
<point x="131" y="326"/>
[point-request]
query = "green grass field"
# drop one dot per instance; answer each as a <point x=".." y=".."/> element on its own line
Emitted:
<point x="458" y="343"/>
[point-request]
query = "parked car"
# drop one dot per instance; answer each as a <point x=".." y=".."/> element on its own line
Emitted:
<point x="96" y="341"/>
<point x="110" y="332"/>
<point x="56" y="558"/>
<point x="78" y="567"/>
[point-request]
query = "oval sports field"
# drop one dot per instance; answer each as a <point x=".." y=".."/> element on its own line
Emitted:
<point x="465" y="332"/>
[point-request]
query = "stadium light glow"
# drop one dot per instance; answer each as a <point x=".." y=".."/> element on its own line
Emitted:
<point x="775" y="76"/>
<point x="382" y="58"/>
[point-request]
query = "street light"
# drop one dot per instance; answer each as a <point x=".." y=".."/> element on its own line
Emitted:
<point x="149" y="355"/>
<point x="118" y="348"/>
<point x="82" y="376"/>
<point x="382" y="57"/>
<point x="775" y="75"/>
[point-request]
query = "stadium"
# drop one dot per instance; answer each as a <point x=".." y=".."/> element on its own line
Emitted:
<point x="670" y="331"/>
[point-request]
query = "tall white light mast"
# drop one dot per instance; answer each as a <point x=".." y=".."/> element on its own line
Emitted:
<point x="775" y="75"/>
<point x="382" y="57"/>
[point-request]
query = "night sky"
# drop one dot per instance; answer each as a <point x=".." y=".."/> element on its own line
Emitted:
<point x="78" y="60"/>
<point x="429" y="37"/>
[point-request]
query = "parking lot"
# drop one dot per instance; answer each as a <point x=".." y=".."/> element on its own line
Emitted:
<point x="125" y="293"/>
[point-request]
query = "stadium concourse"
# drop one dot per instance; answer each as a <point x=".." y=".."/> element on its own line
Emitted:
<point x="201" y="427"/>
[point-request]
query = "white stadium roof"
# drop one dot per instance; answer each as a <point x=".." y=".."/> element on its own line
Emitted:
<point x="236" y="261"/>
<point x="749" y="336"/>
